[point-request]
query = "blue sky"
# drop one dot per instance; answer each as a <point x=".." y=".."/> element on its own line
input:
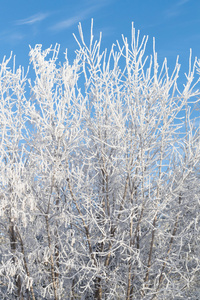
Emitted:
<point x="174" y="23"/>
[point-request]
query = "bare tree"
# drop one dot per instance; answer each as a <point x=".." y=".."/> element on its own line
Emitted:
<point x="99" y="176"/>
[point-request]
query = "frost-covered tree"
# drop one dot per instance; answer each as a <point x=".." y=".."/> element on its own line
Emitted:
<point x="99" y="177"/>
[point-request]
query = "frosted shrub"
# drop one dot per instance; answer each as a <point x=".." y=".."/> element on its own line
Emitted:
<point x="99" y="176"/>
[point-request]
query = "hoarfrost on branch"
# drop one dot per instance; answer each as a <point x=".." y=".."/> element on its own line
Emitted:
<point x="99" y="181"/>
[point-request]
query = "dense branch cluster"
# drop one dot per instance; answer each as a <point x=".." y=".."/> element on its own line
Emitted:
<point x="99" y="176"/>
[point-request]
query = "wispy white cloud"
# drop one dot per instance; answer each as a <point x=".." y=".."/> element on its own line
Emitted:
<point x="11" y="37"/>
<point x="67" y="23"/>
<point x="32" y="19"/>
<point x="80" y="16"/>
<point x="175" y="9"/>
<point x="181" y="2"/>
<point x="14" y="36"/>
